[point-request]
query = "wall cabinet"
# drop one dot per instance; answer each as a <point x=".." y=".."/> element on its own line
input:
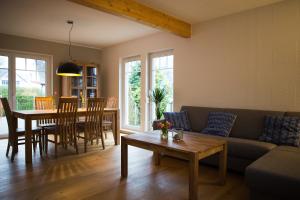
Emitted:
<point x="83" y="87"/>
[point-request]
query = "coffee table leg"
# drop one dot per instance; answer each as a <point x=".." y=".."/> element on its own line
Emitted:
<point x="124" y="158"/>
<point x="223" y="165"/>
<point x="156" y="157"/>
<point x="193" y="177"/>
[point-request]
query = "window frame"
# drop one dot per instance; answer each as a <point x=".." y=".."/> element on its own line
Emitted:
<point x="12" y="55"/>
<point x="123" y="92"/>
<point x="151" y="56"/>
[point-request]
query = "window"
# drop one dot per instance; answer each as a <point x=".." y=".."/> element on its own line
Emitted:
<point x="30" y="81"/>
<point x="136" y="112"/>
<point x="131" y="100"/>
<point x="3" y="92"/>
<point x="23" y="76"/>
<point x="161" y="76"/>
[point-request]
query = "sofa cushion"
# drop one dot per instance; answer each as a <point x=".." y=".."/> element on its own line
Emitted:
<point x="219" y="123"/>
<point x="249" y="123"/>
<point x="277" y="173"/>
<point x="281" y="130"/>
<point x="198" y="116"/>
<point x="178" y="120"/>
<point x="244" y="148"/>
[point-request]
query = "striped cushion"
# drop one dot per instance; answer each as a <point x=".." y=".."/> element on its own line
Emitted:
<point x="219" y="123"/>
<point x="178" y="120"/>
<point x="281" y="130"/>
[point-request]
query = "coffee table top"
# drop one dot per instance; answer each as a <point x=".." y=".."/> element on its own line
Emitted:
<point x="190" y="143"/>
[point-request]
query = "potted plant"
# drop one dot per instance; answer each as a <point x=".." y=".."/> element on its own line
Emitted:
<point x="158" y="96"/>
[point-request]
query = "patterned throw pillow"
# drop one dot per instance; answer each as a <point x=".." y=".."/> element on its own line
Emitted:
<point x="281" y="130"/>
<point x="219" y="123"/>
<point x="178" y="120"/>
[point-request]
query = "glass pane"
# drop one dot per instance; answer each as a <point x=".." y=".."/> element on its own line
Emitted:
<point x="29" y="83"/>
<point x="3" y="92"/>
<point x="41" y="65"/>
<point x="30" y="64"/>
<point x="133" y="93"/>
<point x="3" y="62"/>
<point x="77" y="82"/>
<point x="91" y="82"/>
<point x="75" y="92"/>
<point x="20" y="63"/>
<point x="91" y="71"/>
<point x="162" y="77"/>
<point x="91" y="93"/>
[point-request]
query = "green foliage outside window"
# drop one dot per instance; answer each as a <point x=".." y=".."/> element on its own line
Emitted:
<point x="163" y="82"/>
<point x="134" y="95"/>
<point x="24" y="97"/>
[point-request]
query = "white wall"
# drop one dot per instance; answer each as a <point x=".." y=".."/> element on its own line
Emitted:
<point x="246" y="60"/>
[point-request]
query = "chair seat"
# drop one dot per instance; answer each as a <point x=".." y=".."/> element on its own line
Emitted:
<point x="50" y="129"/>
<point x="21" y="131"/>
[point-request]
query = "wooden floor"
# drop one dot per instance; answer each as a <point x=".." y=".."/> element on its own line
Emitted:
<point x="96" y="175"/>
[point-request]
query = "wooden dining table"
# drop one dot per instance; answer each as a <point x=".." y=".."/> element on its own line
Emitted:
<point x="30" y="115"/>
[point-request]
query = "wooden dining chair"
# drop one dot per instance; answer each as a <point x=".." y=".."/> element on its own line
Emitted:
<point x="44" y="103"/>
<point x="112" y="102"/>
<point x="64" y="130"/>
<point x="16" y="136"/>
<point x="92" y="128"/>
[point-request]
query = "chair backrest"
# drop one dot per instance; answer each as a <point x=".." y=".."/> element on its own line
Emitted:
<point x="8" y="115"/>
<point x="44" y="103"/>
<point x="66" y="115"/>
<point x="112" y="102"/>
<point x="94" y="114"/>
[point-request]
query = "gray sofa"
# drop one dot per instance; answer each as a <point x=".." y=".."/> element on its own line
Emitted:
<point x="243" y="144"/>
<point x="260" y="160"/>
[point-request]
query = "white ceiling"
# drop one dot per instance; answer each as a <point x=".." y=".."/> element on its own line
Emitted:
<point x="46" y="19"/>
<point x="195" y="11"/>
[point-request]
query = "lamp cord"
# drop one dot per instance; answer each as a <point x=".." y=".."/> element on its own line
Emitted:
<point x="70" y="44"/>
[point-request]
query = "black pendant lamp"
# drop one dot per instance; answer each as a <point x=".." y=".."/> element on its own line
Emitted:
<point x="69" y="68"/>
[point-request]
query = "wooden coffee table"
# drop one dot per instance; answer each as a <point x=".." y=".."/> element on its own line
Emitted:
<point x="193" y="148"/>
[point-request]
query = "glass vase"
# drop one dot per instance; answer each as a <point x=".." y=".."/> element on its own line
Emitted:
<point x="164" y="134"/>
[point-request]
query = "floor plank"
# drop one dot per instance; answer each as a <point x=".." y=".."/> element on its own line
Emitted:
<point x="96" y="175"/>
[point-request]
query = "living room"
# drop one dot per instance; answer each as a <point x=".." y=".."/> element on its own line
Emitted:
<point x="238" y="59"/>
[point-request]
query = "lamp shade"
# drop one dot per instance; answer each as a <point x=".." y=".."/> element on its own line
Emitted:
<point x="69" y="69"/>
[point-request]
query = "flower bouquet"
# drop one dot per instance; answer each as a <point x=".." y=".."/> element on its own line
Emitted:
<point x="164" y="127"/>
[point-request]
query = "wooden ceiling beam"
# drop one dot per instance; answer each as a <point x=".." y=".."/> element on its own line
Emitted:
<point x="140" y="13"/>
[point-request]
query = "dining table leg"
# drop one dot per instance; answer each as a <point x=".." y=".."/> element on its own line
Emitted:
<point x="28" y="141"/>
<point x="124" y="158"/>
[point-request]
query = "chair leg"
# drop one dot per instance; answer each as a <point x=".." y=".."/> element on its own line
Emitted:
<point x="46" y="143"/>
<point x="13" y="151"/>
<point x="55" y="145"/>
<point x="102" y="139"/>
<point x="97" y="138"/>
<point x="40" y="145"/>
<point x="75" y="143"/>
<point x="85" y="141"/>
<point x="34" y="142"/>
<point x="105" y="134"/>
<point x="7" y="149"/>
